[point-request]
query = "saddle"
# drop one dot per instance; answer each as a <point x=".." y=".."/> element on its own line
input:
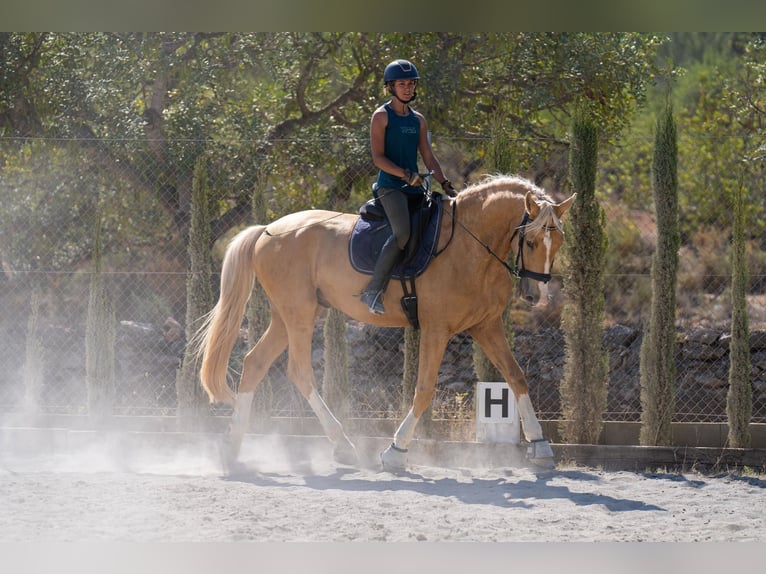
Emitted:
<point x="372" y="230"/>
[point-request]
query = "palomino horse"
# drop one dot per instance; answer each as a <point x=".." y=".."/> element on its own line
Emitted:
<point x="302" y="262"/>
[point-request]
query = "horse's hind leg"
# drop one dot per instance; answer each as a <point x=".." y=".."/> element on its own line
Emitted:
<point x="491" y="338"/>
<point x="255" y="366"/>
<point x="300" y="372"/>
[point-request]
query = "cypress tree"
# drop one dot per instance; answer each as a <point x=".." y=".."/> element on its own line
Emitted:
<point x="658" y="348"/>
<point x="584" y="386"/>
<point x="192" y="402"/>
<point x="258" y="312"/>
<point x="100" y="335"/>
<point x="335" y="383"/>
<point x="410" y="374"/>
<point x="34" y="363"/>
<point x="501" y="158"/>
<point x="739" y="398"/>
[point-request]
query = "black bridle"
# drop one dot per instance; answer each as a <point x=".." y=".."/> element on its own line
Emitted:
<point x="518" y="270"/>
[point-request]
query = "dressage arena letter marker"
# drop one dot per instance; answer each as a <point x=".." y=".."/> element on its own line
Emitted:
<point x="489" y="401"/>
<point x="497" y="418"/>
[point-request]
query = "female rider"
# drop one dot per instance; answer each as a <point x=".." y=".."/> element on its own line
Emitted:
<point x="397" y="134"/>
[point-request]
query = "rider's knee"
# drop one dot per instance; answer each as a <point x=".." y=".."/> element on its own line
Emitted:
<point x="402" y="239"/>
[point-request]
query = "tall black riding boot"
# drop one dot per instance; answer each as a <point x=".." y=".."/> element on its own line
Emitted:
<point x="389" y="256"/>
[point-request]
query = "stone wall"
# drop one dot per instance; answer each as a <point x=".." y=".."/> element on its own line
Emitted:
<point x="148" y="355"/>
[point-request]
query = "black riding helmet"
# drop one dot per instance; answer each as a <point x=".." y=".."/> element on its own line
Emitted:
<point x="400" y="70"/>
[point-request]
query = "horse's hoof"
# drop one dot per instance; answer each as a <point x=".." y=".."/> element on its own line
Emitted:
<point x="394" y="459"/>
<point x="540" y="453"/>
<point x="345" y="453"/>
<point x="544" y="463"/>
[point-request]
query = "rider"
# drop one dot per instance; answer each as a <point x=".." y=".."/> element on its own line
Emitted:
<point x="397" y="134"/>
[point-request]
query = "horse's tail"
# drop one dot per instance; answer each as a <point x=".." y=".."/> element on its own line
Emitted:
<point x="215" y="339"/>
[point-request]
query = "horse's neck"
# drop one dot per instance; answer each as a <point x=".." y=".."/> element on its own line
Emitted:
<point x="494" y="218"/>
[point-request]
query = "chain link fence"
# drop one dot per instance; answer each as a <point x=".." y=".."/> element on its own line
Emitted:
<point x="53" y="195"/>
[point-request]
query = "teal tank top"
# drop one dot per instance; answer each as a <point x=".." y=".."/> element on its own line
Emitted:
<point x="401" y="147"/>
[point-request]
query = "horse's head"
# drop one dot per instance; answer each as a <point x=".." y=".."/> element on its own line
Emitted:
<point x="539" y="237"/>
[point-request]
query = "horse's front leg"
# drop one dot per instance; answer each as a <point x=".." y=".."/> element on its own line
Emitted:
<point x="430" y="354"/>
<point x="491" y="337"/>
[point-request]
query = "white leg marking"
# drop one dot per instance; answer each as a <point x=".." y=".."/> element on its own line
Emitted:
<point x="330" y="424"/>
<point x="406" y="431"/>
<point x="529" y="423"/>
<point x="240" y="417"/>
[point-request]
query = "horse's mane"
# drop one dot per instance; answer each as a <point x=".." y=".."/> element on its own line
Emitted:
<point x="502" y="182"/>
<point x="513" y="185"/>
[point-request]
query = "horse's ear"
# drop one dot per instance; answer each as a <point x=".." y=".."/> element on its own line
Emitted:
<point x="561" y="208"/>
<point x="533" y="208"/>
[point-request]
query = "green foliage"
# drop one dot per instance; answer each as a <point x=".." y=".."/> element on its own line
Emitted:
<point x="658" y="345"/>
<point x="584" y="386"/>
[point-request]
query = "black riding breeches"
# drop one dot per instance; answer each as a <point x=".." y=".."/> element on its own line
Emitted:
<point x="397" y="205"/>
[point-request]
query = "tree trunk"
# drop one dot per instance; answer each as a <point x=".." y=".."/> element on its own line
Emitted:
<point x="739" y="400"/>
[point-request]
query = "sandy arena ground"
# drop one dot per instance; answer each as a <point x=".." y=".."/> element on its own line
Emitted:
<point x="115" y="492"/>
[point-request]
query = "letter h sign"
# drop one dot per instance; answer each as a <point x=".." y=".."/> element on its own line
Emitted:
<point x="497" y="418"/>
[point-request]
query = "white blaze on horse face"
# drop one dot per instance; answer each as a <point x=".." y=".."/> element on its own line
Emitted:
<point x="543" y="287"/>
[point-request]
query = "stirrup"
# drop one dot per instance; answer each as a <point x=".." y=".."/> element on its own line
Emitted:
<point x="374" y="301"/>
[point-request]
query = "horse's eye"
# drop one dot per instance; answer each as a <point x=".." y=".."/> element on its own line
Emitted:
<point x="530" y="244"/>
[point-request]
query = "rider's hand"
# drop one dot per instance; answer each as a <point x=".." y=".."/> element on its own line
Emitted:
<point x="412" y="179"/>
<point x="448" y="189"/>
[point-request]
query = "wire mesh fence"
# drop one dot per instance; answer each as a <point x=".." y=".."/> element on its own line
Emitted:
<point x="55" y="194"/>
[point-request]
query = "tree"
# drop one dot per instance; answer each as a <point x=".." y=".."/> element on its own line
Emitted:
<point x="739" y="397"/>
<point x="34" y="363"/>
<point x="335" y="383"/>
<point x="658" y="383"/>
<point x="410" y="374"/>
<point x="199" y="298"/>
<point x="141" y="106"/>
<point x="258" y="312"/>
<point x="100" y="337"/>
<point x="586" y="369"/>
<point x="501" y="159"/>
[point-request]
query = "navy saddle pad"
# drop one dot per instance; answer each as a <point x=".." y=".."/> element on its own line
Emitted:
<point x="372" y="230"/>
